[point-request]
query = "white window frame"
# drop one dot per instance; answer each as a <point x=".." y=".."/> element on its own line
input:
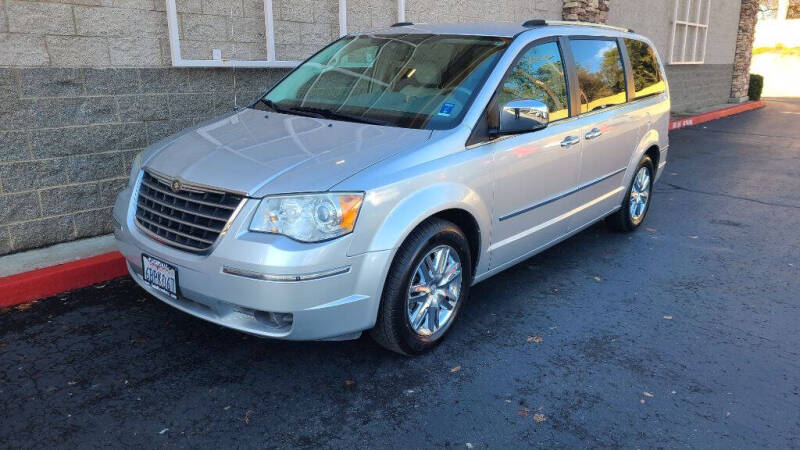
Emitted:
<point x="687" y="24"/>
<point x="271" y="61"/>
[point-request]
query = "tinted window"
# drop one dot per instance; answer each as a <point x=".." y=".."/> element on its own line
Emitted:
<point x="601" y="79"/>
<point x="646" y="75"/>
<point x="415" y="80"/>
<point x="538" y="75"/>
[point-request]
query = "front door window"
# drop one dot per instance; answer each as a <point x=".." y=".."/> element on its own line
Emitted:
<point x="538" y="75"/>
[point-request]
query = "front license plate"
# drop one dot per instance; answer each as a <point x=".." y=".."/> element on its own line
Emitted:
<point x="160" y="275"/>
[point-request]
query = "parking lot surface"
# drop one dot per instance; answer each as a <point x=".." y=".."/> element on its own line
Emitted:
<point x="684" y="333"/>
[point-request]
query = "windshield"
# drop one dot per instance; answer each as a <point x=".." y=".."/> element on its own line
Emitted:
<point x="413" y="80"/>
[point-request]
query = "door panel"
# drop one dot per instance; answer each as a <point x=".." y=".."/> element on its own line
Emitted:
<point x="534" y="171"/>
<point x="609" y="127"/>
<point x="604" y="159"/>
<point x="533" y="175"/>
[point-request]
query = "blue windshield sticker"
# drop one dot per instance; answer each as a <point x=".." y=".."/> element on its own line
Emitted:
<point x="446" y="109"/>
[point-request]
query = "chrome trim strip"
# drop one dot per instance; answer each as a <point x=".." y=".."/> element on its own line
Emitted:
<point x="134" y="205"/>
<point x="179" y="233"/>
<point x="174" y="219"/>
<point x="178" y="208"/>
<point x="287" y="277"/>
<point x="169" y="243"/>
<point x="560" y="195"/>
<point x="201" y="187"/>
<point x="188" y="199"/>
<point x="194" y="250"/>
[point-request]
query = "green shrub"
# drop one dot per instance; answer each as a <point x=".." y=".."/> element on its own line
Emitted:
<point x="756" y="86"/>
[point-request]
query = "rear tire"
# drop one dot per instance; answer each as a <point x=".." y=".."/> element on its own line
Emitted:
<point x="637" y="199"/>
<point x="420" y="302"/>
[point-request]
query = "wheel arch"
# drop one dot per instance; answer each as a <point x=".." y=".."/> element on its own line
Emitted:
<point x="454" y="202"/>
<point x="650" y="144"/>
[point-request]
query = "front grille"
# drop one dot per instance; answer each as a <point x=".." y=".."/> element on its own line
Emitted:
<point x="191" y="218"/>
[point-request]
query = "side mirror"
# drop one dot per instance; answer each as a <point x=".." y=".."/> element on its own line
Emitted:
<point x="520" y="116"/>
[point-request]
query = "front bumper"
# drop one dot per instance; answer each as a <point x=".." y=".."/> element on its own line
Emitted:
<point x="223" y="286"/>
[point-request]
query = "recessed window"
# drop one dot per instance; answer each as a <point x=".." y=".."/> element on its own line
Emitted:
<point x="689" y="31"/>
<point x="601" y="79"/>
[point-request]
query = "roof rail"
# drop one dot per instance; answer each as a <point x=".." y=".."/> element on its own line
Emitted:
<point x="584" y="24"/>
<point x="402" y="24"/>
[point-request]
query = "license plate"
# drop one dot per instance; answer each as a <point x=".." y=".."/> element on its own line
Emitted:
<point x="160" y="275"/>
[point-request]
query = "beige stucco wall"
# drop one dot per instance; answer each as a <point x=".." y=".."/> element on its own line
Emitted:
<point x="654" y="20"/>
<point x="304" y="26"/>
<point x="133" y="33"/>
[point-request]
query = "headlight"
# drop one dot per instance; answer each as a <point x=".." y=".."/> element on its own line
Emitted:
<point x="308" y="217"/>
<point x="136" y="166"/>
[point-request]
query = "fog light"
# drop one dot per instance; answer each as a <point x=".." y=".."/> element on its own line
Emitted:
<point x="273" y="319"/>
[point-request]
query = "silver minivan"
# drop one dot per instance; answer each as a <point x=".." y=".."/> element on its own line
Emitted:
<point x="388" y="173"/>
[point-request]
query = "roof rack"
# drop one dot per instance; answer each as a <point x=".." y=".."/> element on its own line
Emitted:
<point x="534" y="23"/>
<point x="402" y="24"/>
<point x="540" y="22"/>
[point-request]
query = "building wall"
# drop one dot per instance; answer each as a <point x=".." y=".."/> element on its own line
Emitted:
<point x="68" y="135"/>
<point x="86" y="84"/>
<point x="691" y="86"/>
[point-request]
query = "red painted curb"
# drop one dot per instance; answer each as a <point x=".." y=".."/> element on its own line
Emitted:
<point x="29" y="286"/>
<point x="713" y="115"/>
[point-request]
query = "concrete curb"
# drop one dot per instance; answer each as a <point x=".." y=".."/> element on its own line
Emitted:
<point x="40" y="283"/>
<point x="689" y="121"/>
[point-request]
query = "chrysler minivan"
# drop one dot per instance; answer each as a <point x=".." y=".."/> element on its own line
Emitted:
<point x="392" y="170"/>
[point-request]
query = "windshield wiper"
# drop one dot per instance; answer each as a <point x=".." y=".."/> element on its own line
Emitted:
<point x="287" y="110"/>
<point x="331" y="114"/>
<point x="320" y="113"/>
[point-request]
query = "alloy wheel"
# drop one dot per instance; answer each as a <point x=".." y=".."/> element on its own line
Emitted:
<point x="434" y="291"/>
<point x="640" y="195"/>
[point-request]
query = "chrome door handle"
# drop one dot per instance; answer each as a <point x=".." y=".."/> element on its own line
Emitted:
<point x="593" y="134"/>
<point x="569" y="141"/>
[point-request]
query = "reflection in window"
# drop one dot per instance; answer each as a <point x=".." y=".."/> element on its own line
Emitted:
<point x="414" y="80"/>
<point x="793" y="10"/>
<point x="646" y="74"/>
<point x="600" y="76"/>
<point x="767" y="9"/>
<point x="538" y="75"/>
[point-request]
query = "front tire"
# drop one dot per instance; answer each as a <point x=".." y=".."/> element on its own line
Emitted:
<point x="637" y="199"/>
<point x="425" y="288"/>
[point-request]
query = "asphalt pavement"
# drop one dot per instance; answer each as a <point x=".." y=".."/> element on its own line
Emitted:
<point x="683" y="334"/>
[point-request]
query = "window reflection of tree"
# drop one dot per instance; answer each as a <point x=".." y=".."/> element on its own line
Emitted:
<point x="605" y="87"/>
<point x="646" y="74"/>
<point x="793" y="10"/>
<point x="538" y="75"/>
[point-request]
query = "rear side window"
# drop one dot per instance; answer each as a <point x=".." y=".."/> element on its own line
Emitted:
<point x="538" y="74"/>
<point x="646" y="74"/>
<point x="601" y="79"/>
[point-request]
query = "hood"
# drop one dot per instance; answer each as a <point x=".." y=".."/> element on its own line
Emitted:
<point x="259" y="152"/>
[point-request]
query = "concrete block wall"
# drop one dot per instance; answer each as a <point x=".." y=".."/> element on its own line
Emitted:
<point x="68" y="136"/>
<point x="694" y="87"/>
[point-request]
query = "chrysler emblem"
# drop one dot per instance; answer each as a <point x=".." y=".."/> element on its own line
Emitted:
<point x="176" y="186"/>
